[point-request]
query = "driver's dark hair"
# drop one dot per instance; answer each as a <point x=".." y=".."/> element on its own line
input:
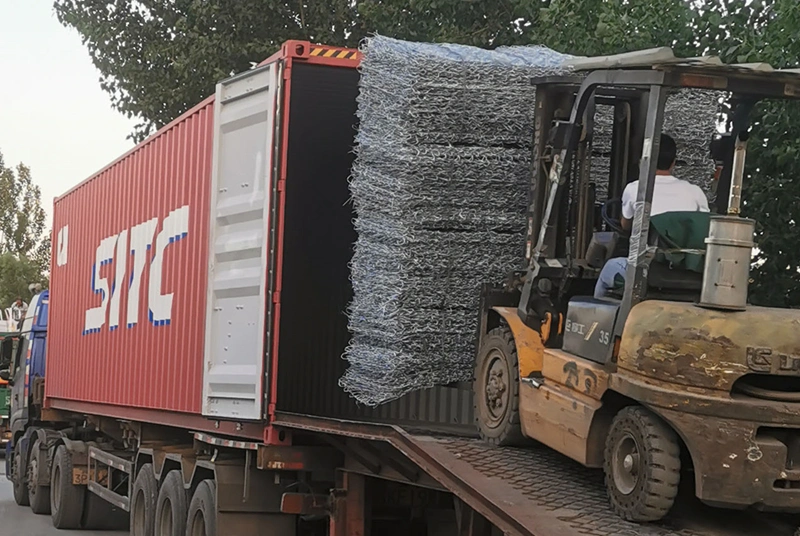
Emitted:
<point x="666" y="153"/>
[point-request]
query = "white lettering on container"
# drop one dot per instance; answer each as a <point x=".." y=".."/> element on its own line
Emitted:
<point x="115" y="249"/>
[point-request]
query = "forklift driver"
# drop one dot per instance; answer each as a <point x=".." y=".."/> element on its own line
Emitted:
<point x="670" y="194"/>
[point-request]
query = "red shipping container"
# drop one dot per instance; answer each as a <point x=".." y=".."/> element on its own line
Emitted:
<point x="140" y="327"/>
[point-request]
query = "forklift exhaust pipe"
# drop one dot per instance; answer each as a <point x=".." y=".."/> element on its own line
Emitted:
<point x="726" y="277"/>
<point x="729" y="245"/>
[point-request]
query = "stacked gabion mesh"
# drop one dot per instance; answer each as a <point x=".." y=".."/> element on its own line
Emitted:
<point x="440" y="190"/>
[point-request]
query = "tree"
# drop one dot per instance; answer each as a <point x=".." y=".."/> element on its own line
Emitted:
<point x="484" y="23"/>
<point x="16" y="273"/>
<point x="22" y="226"/>
<point x="157" y="58"/>
<point x="772" y="34"/>
<point x="24" y="244"/>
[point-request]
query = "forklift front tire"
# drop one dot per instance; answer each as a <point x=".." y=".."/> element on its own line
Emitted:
<point x="642" y="465"/>
<point x="496" y="389"/>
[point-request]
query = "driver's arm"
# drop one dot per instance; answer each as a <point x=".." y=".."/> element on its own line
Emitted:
<point x="625" y="223"/>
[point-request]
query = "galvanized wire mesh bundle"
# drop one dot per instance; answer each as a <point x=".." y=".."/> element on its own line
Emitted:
<point x="440" y="191"/>
<point x="440" y="188"/>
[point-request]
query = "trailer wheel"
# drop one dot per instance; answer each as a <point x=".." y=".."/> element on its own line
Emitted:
<point x="143" y="502"/>
<point x="66" y="499"/>
<point x="171" y="507"/>
<point x="642" y="465"/>
<point x="38" y="496"/>
<point x="496" y="389"/>
<point x="202" y="519"/>
<point x="19" y="477"/>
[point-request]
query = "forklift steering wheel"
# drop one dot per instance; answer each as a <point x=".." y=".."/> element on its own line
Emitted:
<point x="614" y="225"/>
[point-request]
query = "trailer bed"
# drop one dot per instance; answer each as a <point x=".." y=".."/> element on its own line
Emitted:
<point x="535" y="491"/>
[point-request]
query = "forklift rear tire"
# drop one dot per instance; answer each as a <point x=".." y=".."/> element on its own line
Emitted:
<point x="642" y="465"/>
<point x="20" y="477"/>
<point x="66" y="498"/>
<point x="496" y="389"/>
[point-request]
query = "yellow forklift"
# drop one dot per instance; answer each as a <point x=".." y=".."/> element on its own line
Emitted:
<point x="673" y="375"/>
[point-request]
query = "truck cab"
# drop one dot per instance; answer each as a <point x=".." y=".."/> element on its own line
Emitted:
<point x="8" y="345"/>
<point x="25" y="374"/>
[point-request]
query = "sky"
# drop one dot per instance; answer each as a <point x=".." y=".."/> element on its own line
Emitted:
<point x="53" y="115"/>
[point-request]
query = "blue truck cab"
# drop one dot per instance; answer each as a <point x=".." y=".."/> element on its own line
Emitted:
<point x="26" y="378"/>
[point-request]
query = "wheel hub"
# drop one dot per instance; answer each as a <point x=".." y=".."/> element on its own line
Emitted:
<point x="496" y="388"/>
<point x="626" y="464"/>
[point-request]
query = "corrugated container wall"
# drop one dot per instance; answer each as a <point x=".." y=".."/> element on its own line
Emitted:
<point x="128" y="281"/>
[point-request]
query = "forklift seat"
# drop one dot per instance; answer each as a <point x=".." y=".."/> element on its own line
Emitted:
<point x="681" y="239"/>
<point x="680" y="258"/>
<point x="677" y="268"/>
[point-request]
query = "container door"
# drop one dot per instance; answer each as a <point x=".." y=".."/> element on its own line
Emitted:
<point x="241" y="191"/>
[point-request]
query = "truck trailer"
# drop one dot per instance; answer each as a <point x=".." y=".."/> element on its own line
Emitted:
<point x="181" y="374"/>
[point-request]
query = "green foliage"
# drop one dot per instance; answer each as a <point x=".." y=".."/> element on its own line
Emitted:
<point x="157" y="58"/>
<point x="597" y="27"/>
<point x="22" y="218"/>
<point x="16" y="273"/>
<point x="472" y="22"/>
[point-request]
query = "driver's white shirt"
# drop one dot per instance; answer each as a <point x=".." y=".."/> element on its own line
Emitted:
<point x="670" y="194"/>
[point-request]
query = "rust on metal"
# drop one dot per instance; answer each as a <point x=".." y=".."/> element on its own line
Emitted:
<point x="695" y="347"/>
<point x="530" y="349"/>
<point x="535" y="491"/>
<point x="297" y="458"/>
<point x="685" y="363"/>
<point x="739" y="464"/>
<point x="349" y="516"/>
<point x="306" y="504"/>
<point x="561" y="418"/>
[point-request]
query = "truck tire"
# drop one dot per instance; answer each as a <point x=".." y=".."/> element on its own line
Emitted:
<point x="38" y="496"/>
<point x="202" y="518"/>
<point x="172" y="506"/>
<point x="143" y="502"/>
<point x="98" y="514"/>
<point x="66" y="499"/>
<point x="496" y="389"/>
<point x="19" y="477"/>
<point x="642" y="465"/>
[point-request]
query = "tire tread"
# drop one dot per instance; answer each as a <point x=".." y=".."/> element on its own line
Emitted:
<point x="511" y="432"/>
<point x="663" y="465"/>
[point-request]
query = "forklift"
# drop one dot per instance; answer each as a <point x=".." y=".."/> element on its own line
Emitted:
<point x="673" y="375"/>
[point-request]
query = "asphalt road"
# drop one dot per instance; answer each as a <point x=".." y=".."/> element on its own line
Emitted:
<point x="20" y="521"/>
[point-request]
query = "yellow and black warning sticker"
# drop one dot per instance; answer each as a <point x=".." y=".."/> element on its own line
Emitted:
<point x="330" y="52"/>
